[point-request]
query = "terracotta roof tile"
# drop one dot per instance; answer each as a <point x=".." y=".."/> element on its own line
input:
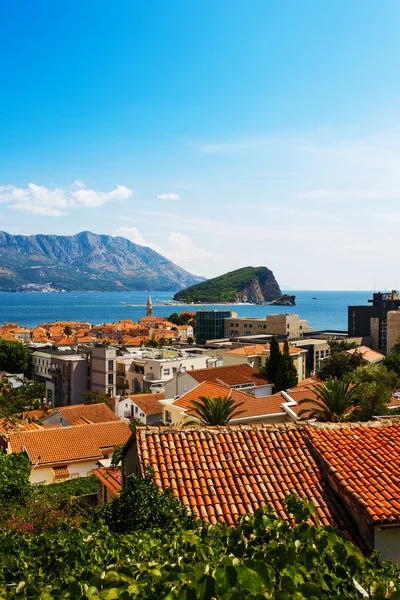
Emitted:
<point x="224" y="472"/>
<point x="229" y="375"/>
<point x="69" y="443"/>
<point x="364" y="462"/>
<point x="259" y="349"/>
<point x="253" y="406"/>
<point x="61" y="471"/>
<point x="109" y="477"/>
<point x="95" y="413"/>
<point x="148" y="403"/>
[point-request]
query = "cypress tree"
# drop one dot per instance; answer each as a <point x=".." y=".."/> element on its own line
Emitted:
<point x="273" y="361"/>
<point x="287" y="372"/>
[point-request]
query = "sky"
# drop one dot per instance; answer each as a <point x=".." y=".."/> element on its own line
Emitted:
<point x="221" y="134"/>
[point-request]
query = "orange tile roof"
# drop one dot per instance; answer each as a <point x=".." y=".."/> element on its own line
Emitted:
<point x="61" y="471"/>
<point x="229" y="375"/>
<point x="110" y="478"/>
<point x="253" y="406"/>
<point x="95" y="413"/>
<point x="66" y="341"/>
<point x="363" y="461"/>
<point x="69" y="443"/>
<point x="148" y="403"/>
<point x="367" y="353"/>
<point x="222" y="473"/>
<point x="259" y="349"/>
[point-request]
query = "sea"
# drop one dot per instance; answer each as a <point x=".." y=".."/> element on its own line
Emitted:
<point x="322" y="309"/>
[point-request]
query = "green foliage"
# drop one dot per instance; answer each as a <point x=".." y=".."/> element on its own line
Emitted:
<point x="15" y="401"/>
<point x="14" y="357"/>
<point x="14" y="478"/>
<point x="117" y="454"/>
<point x="67" y="330"/>
<point x="214" y="411"/>
<point x="376" y="389"/>
<point x="152" y="343"/>
<point x="190" y="340"/>
<point x="392" y="361"/>
<point x="340" y="364"/>
<point x="142" y="505"/>
<point x="182" y="319"/>
<point x="286" y="377"/>
<point x="226" y="287"/>
<point x="94" y="397"/>
<point x="340" y="346"/>
<point x="335" y="401"/>
<point x="58" y="492"/>
<point x="271" y="367"/>
<point x="263" y="557"/>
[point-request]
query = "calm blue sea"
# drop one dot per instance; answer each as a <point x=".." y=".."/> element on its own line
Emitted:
<point x="328" y="311"/>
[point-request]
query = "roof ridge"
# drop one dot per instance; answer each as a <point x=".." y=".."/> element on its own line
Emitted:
<point x="68" y="427"/>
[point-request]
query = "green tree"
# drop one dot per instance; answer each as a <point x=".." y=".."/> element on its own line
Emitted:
<point x="377" y="384"/>
<point x="214" y="411"/>
<point x="152" y="343"/>
<point x="67" y="330"/>
<point x="287" y="376"/>
<point x="340" y="346"/>
<point x="334" y="401"/>
<point x="14" y="357"/>
<point x="190" y="340"/>
<point x="94" y="397"/>
<point x="340" y="364"/>
<point x="392" y="361"/>
<point x="271" y="368"/>
<point x="142" y="505"/>
<point x="15" y="487"/>
<point x="16" y="400"/>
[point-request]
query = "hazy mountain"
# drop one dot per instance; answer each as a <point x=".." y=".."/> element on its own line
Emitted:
<point x="84" y="262"/>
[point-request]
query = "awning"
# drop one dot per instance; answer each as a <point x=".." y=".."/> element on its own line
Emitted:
<point x="61" y="471"/>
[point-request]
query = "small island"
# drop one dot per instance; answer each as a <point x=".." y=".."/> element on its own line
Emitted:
<point x="254" y="285"/>
<point x="284" y="300"/>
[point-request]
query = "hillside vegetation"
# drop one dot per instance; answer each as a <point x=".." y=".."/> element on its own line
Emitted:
<point x="249" y="284"/>
<point x="85" y="262"/>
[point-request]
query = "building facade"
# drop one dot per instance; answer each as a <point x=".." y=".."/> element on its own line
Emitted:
<point x="371" y="320"/>
<point x="285" y="325"/>
<point x="210" y="324"/>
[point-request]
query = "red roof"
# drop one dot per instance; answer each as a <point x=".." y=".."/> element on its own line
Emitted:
<point x="93" y="413"/>
<point x="222" y="473"/>
<point x="230" y="375"/>
<point x="148" y="403"/>
<point x="110" y="478"/>
<point x="363" y="460"/>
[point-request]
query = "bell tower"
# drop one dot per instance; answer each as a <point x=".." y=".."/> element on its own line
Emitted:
<point x="149" y="307"/>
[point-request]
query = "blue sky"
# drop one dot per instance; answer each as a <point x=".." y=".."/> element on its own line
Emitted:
<point x="221" y="134"/>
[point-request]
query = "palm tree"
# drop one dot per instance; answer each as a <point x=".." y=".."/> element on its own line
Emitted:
<point x="335" y="401"/>
<point x="214" y="411"/>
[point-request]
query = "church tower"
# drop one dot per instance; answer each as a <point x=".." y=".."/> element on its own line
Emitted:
<point x="149" y="307"/>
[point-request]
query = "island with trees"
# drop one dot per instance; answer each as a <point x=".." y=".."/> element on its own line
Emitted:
<point x="249" y="284"/>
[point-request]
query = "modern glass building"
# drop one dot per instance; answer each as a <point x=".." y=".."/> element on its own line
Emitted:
<point x="210" y="324"/>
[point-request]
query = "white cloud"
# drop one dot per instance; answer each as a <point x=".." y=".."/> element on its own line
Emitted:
<point x="79" y="183"/>
<point x="39" y="200"/>
<point x="181" y="249"/>
<point x="132" y="234"/>
<point x="168" y="196"/>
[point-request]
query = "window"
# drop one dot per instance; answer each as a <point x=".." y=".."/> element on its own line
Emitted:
<point x="142" y="414"/>
<point x="126" y="406"/>
<point x="136" y="409"/>
<point x="110" y="365"/>
<point x="168" y="416"/>
<point x="110" y="379"/>
<point x="166" y="371"/>
<point x="110" y="391"/>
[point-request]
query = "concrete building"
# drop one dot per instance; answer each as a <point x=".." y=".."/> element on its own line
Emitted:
<point x="371" y="320"/>
<point x="144" y="371"/>
<point x="210" y="324"/>
<point x="69" y="379"/>
<point x="103" y="369"/>
<point x="142" y="407"/>
<point x="240" y="377"/>
<point x="287" y="325"/>
<point x="393" y="329"/>
<point x="256" y="355"/>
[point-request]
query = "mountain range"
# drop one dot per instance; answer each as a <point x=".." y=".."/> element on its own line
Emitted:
<point x="85" y="262"/>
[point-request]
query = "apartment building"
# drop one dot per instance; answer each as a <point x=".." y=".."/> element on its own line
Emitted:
<point x="256" y="355"/>
<point x="143" y="371"/>
<point x="68" y="374"/>
<point x="371" y="320"/>
<point x="288" y="325"/>
<point x="393" y="329"/>
<point x="210" y="324"/>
